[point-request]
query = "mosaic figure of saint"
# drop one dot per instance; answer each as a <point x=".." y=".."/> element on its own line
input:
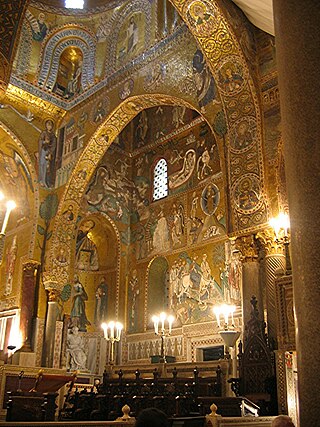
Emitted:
<point x="47" y="155"/>
<point x="177" y="227"/>
<point x="132" y="35"/>
<point x="235" y="276"/>
<point x="134" y="292"/>
<point x="99" y="113"/>
<point x="248" y="198"/>
<point x="74" y="84"/>
<point x="141" y="129"/>
<point x="203" y="20"/>
<point x="86" y="250"/>
<point x="39" y="27"/>
<point x="243" y="137"/>
<point x="230" y="79"/>
<point x="10" y="266"/>
<point x="101" y="308"/>
<point x="160" y="239"/>
<point x="210" y="199"/>
<point x="205" y="84"/>
<point x="78" y="311"/>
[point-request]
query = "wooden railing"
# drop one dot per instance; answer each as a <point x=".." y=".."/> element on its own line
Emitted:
<point x="176" y="394"/>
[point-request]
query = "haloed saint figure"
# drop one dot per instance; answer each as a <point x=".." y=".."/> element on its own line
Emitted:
<point x="47" y="155"/>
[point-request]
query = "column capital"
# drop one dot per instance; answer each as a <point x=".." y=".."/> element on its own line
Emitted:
<point x="53" y="294"/>
<point x="267" y="240"/>
<point x="30" y="265"/>
<point x="247" y="245"/>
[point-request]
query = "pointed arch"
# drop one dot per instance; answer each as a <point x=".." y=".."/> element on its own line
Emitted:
<point x="86" y="165"/>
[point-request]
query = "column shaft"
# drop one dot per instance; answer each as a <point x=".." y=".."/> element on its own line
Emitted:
<point x="250" y="288"/>
<point x="297" y="32"/>
<point x="273" y="263"/>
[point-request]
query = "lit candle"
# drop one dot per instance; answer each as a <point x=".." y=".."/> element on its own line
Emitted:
<point x="155" y="320"/>
<point x="10" y="205"/>
<point x="225" y="311"/>
<point x="104" y="326"/>
<point x="216" y="311"/>
<point x="119" y="329"/>
<point x="162" y="318"/>
<point x="274" y="222"/>
<point x="111" y="327"/>
<point x="170" y="321"/>
<point x="232" y="310"/>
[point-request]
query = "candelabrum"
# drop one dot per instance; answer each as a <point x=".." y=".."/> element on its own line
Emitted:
<point x="281" y="226"/>
<point x="160" y="330"/>
<point x="112" y="333"/>
<point x="9" y="205"/>
<point x="228" y="333"/>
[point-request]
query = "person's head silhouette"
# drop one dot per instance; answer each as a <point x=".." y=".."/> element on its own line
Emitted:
<point x="152" y="417"/>
<point x="282" y="421"/>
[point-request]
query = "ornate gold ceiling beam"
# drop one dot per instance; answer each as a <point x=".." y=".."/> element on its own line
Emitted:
<point x="24" y="99"/>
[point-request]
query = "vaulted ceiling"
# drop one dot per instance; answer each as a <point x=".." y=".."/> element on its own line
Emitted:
<point x="259" y="12"/>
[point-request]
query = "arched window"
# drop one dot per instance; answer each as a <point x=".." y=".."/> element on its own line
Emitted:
<point x="160" y="180"/>
<point x="74" y="4"/>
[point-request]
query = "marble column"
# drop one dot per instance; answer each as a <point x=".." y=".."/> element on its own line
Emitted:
<point x="29" y="296"/>
<point x="50" y="327"/>
<point x="250" y="277"/>
<point x="297" y="33"/>
<point x="275" y="261"/>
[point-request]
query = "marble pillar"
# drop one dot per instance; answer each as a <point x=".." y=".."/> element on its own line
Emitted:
<point x="250" y="277"/>
<point x="274" y="263"/>
<point x="50" y="328"/>
<point x="297" y="32"/>
<point x="29" y="308"/>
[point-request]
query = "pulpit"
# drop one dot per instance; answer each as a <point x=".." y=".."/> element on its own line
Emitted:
<point x="38" y="404"/>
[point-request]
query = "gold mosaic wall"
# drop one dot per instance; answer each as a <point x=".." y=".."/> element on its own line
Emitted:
<point x="82" y="130"/>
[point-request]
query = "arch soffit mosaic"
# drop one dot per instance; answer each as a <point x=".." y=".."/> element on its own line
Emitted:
<point x="220" y="48"/>
<point x="208" y="23"/>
